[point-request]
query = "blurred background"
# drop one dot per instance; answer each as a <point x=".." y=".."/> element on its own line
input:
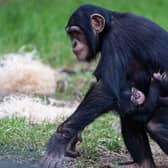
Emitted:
<point x="39" y="25"/>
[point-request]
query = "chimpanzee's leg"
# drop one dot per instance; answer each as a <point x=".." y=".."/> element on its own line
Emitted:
<point x="158" y="128"/>
<point x="96" y="102"/>
<point x="136" y="141"/>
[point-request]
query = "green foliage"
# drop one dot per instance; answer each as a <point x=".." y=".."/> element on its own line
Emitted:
<point x="41" y="23"/>
<point x="22" y="138"/>
<point x="101" y="133"/>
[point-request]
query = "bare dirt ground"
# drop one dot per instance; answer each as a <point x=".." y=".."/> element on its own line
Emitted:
<point x="160" y="158"/>
<point x="110" y="159"/>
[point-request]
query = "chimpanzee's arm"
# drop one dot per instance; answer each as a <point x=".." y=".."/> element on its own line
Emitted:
<point x="164" y="86"/>
<point x="162" y="80"/>
<point x="96" y="102"/>
<point x="163" y="101"/>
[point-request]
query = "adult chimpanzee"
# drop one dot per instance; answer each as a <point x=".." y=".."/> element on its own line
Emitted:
<point x="132" y="49"/>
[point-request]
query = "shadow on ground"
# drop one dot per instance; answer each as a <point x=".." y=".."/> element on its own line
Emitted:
<point x="13" y="164"/>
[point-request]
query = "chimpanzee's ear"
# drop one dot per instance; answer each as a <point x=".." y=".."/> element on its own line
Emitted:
<point x="97" y="22"/>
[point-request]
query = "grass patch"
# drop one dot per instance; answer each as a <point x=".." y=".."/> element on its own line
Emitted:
<point x="41" y="23"/>
<point x="18" y="137"/>
<point x="101" y="133"/>
<point x="25" y="140"/>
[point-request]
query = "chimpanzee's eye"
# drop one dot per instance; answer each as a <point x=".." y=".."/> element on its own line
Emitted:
<point x="74" y="35"/>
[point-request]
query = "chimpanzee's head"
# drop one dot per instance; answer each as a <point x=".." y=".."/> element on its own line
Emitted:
<point x="85" y="27"/>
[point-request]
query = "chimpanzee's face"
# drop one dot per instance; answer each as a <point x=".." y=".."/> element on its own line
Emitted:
<point x="79" y="43"/>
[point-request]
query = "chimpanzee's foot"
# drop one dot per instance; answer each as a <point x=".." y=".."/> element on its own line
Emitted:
<point x="146" y="164"/>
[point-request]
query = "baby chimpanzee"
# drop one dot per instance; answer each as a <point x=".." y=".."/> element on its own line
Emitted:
<point x="144" y="105"/>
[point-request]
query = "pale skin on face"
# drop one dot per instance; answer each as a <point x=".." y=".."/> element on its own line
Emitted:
<point x="138" y="98"/>
<point x="78" y="39"/>
<point x="79" y="42"/>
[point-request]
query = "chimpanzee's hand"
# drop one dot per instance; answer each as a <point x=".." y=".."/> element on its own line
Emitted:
<point x="137" y="97"/>
<point x="55" y="155"/>
<point x="160" y="77"/>
<point x="60" y="149"/>
<point x="159" y="80"/>
<point x="157" y="76"/>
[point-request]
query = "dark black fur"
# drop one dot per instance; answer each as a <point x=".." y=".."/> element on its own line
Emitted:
<point x="132" y="48"/>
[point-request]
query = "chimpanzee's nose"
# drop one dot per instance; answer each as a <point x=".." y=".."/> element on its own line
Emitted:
<point x="74" y="44"/>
